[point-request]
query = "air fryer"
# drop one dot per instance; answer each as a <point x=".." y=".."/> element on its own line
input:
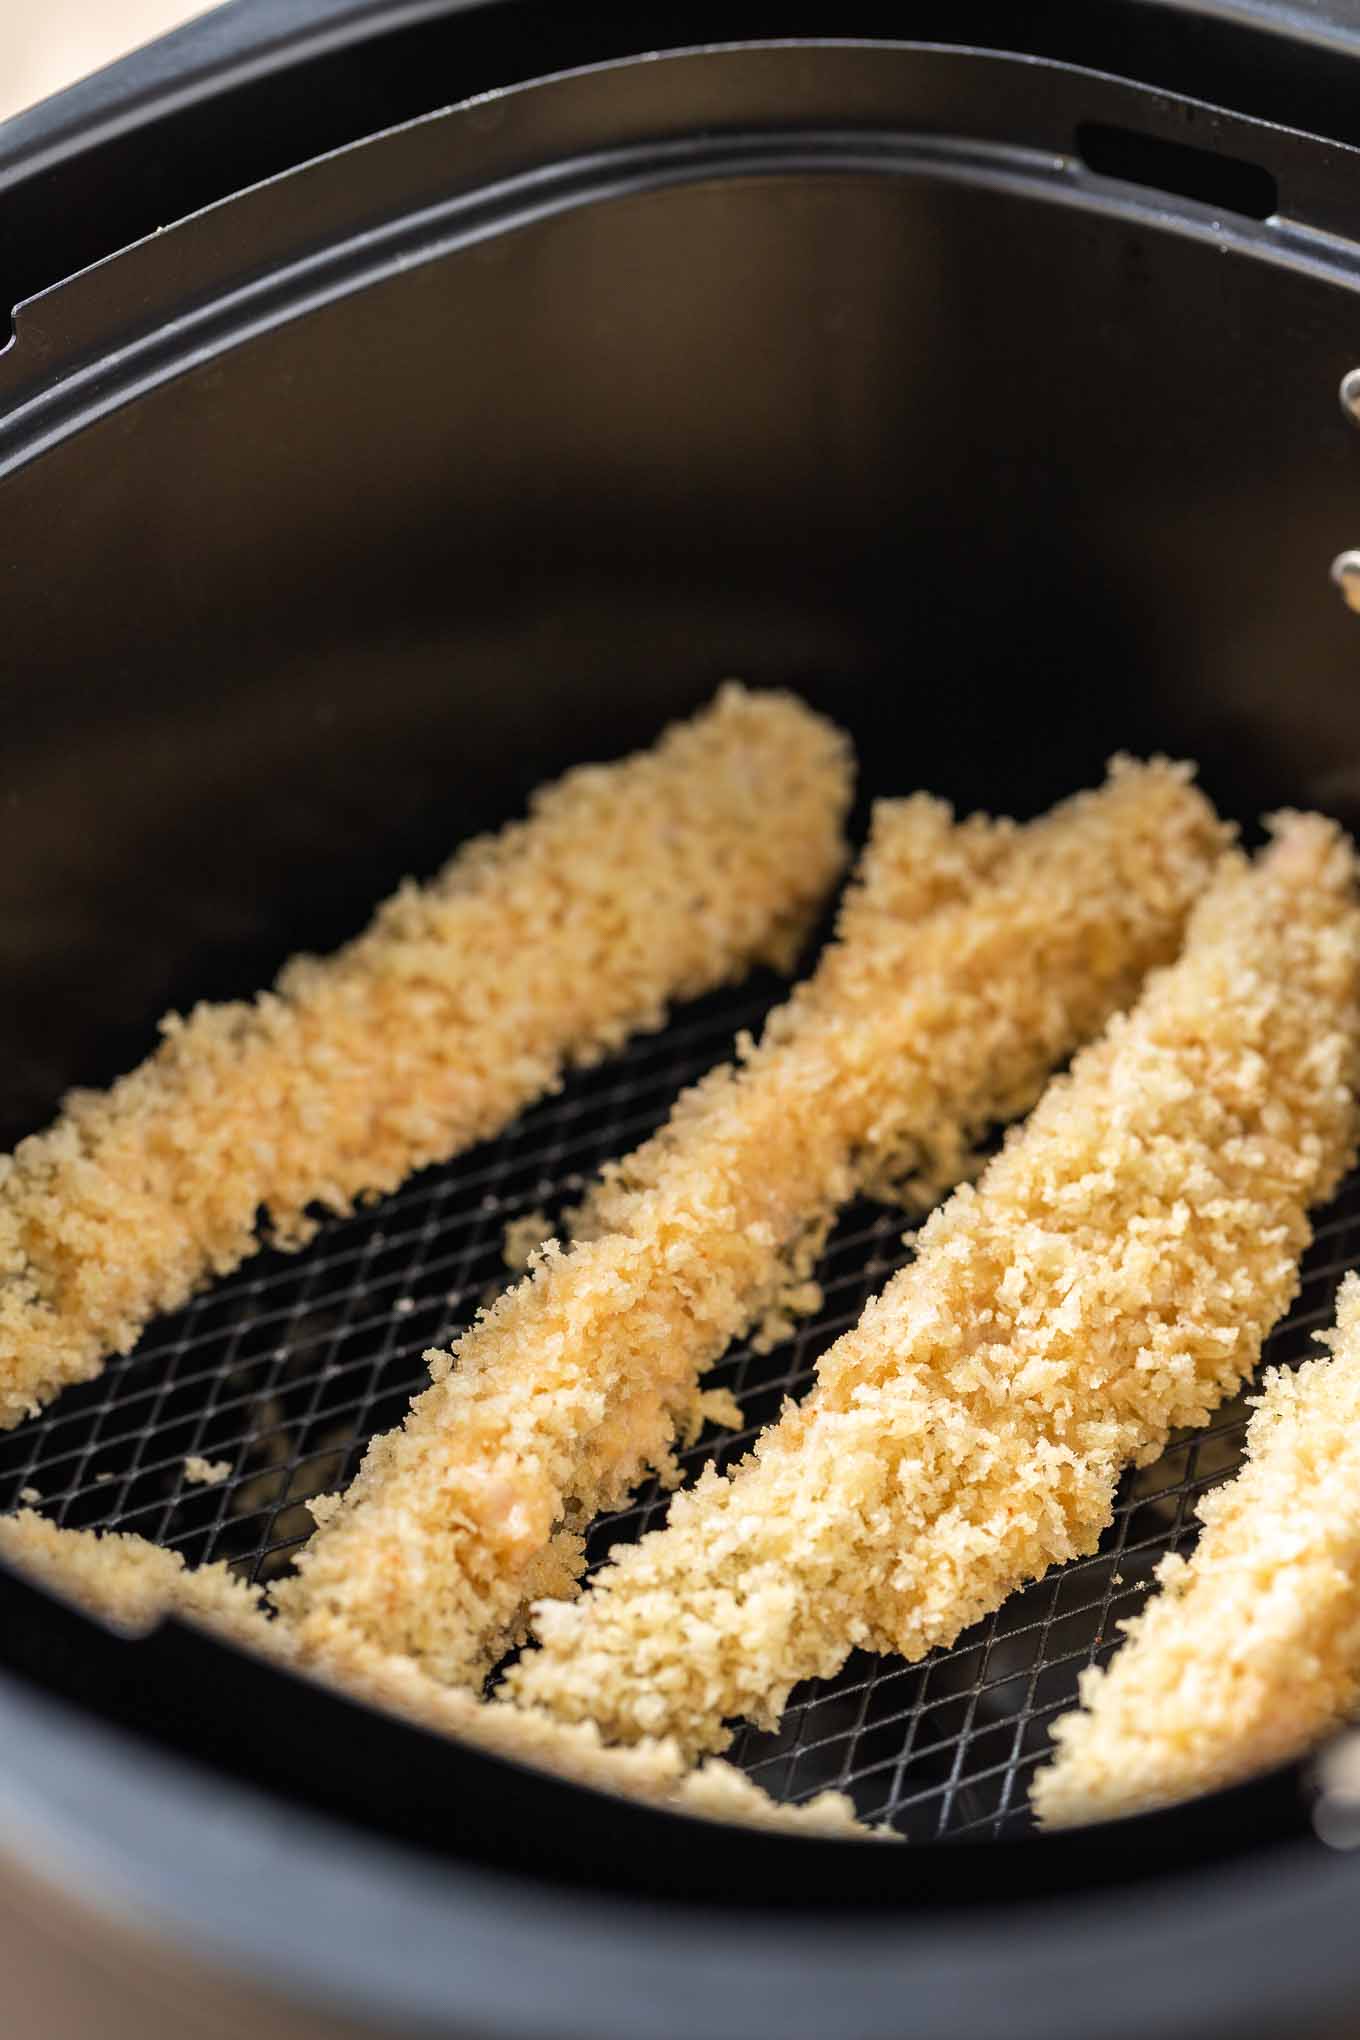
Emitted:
<point x="406" y="402"/>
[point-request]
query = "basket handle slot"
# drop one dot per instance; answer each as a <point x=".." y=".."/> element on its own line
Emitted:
<point x="1227" y="183"/>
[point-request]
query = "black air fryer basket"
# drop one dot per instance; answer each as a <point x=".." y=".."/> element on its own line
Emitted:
<point x="507" y="375"/>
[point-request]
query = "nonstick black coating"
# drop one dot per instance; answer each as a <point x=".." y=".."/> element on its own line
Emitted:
<point x="253" y="87"/>
<point x="338" y="518"/>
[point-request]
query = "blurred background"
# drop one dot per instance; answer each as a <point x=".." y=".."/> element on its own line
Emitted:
<point x="45" y="44"/>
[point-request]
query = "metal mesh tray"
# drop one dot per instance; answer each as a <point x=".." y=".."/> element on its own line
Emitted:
<point x="278" y="1376"/>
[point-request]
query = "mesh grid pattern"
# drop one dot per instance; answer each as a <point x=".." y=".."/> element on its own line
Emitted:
<point x="278" y="1376"/>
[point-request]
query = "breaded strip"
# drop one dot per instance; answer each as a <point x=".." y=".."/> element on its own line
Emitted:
<point x="1251" y="1652"/>
<point x="547" y="944"/>
<point x="1110" y="1278"/>
<point x="968" y="961"/>
<point x="132" y="1584"/>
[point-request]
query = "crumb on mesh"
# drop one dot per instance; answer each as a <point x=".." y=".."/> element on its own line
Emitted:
<point x="719" y="1406"/>
<point x="1110" y="1278"/>
<point x="627" y="886"/>
<point x="131" y="1584"/>
<point x="206" y="1472"/>
<point x="523" y="1237"/>
<point x="969" y="959"/>
<point x="1251" y="1651"/>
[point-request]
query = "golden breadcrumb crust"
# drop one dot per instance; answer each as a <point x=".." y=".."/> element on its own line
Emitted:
<point x="1251" y="1652"/>
<point x="1110" y="1278"/>
<point x="969" y="959"/>
<point x="627" y="886"/>
<point x="131" y="1583"/>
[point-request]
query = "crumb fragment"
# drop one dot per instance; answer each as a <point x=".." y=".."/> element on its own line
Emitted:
<point x="205" y="1472"/>
<point x="720" y="1406"/>
<point x="1251" y="1651"/>
<point x="1110" y="1278"/>
<point x="969" y="959"/>
<point x="523" y="1236"/>
<point x="629" y="885"/>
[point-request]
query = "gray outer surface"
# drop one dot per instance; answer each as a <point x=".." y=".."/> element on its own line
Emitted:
<point x="394" y="1942"/>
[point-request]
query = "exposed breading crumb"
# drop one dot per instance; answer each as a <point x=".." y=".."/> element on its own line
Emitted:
<point x="1251" y="1652"/>
<point x="522" y="1236"/>
<point x="206" y="1472"/>
<point x="131" y="1583"/>
<point x="30" y="1496"/>
<point x="969" y="959"/>
<point x="720" y="1406"/>
<point x="629" y="885"/>
<point x="1110" y="1278"/>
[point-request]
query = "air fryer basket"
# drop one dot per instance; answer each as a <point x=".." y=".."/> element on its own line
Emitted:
<point x="990" y="403"/>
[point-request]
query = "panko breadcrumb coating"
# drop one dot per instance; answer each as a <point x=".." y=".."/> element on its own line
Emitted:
<point x="132" y="1584"/>
<point x="969" y="960"/>
<point x="1110" y="1278"/>
<point x="126" y="1580"/>
<point x="1251" y="1652"/>
<point x="629" y="885"/>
